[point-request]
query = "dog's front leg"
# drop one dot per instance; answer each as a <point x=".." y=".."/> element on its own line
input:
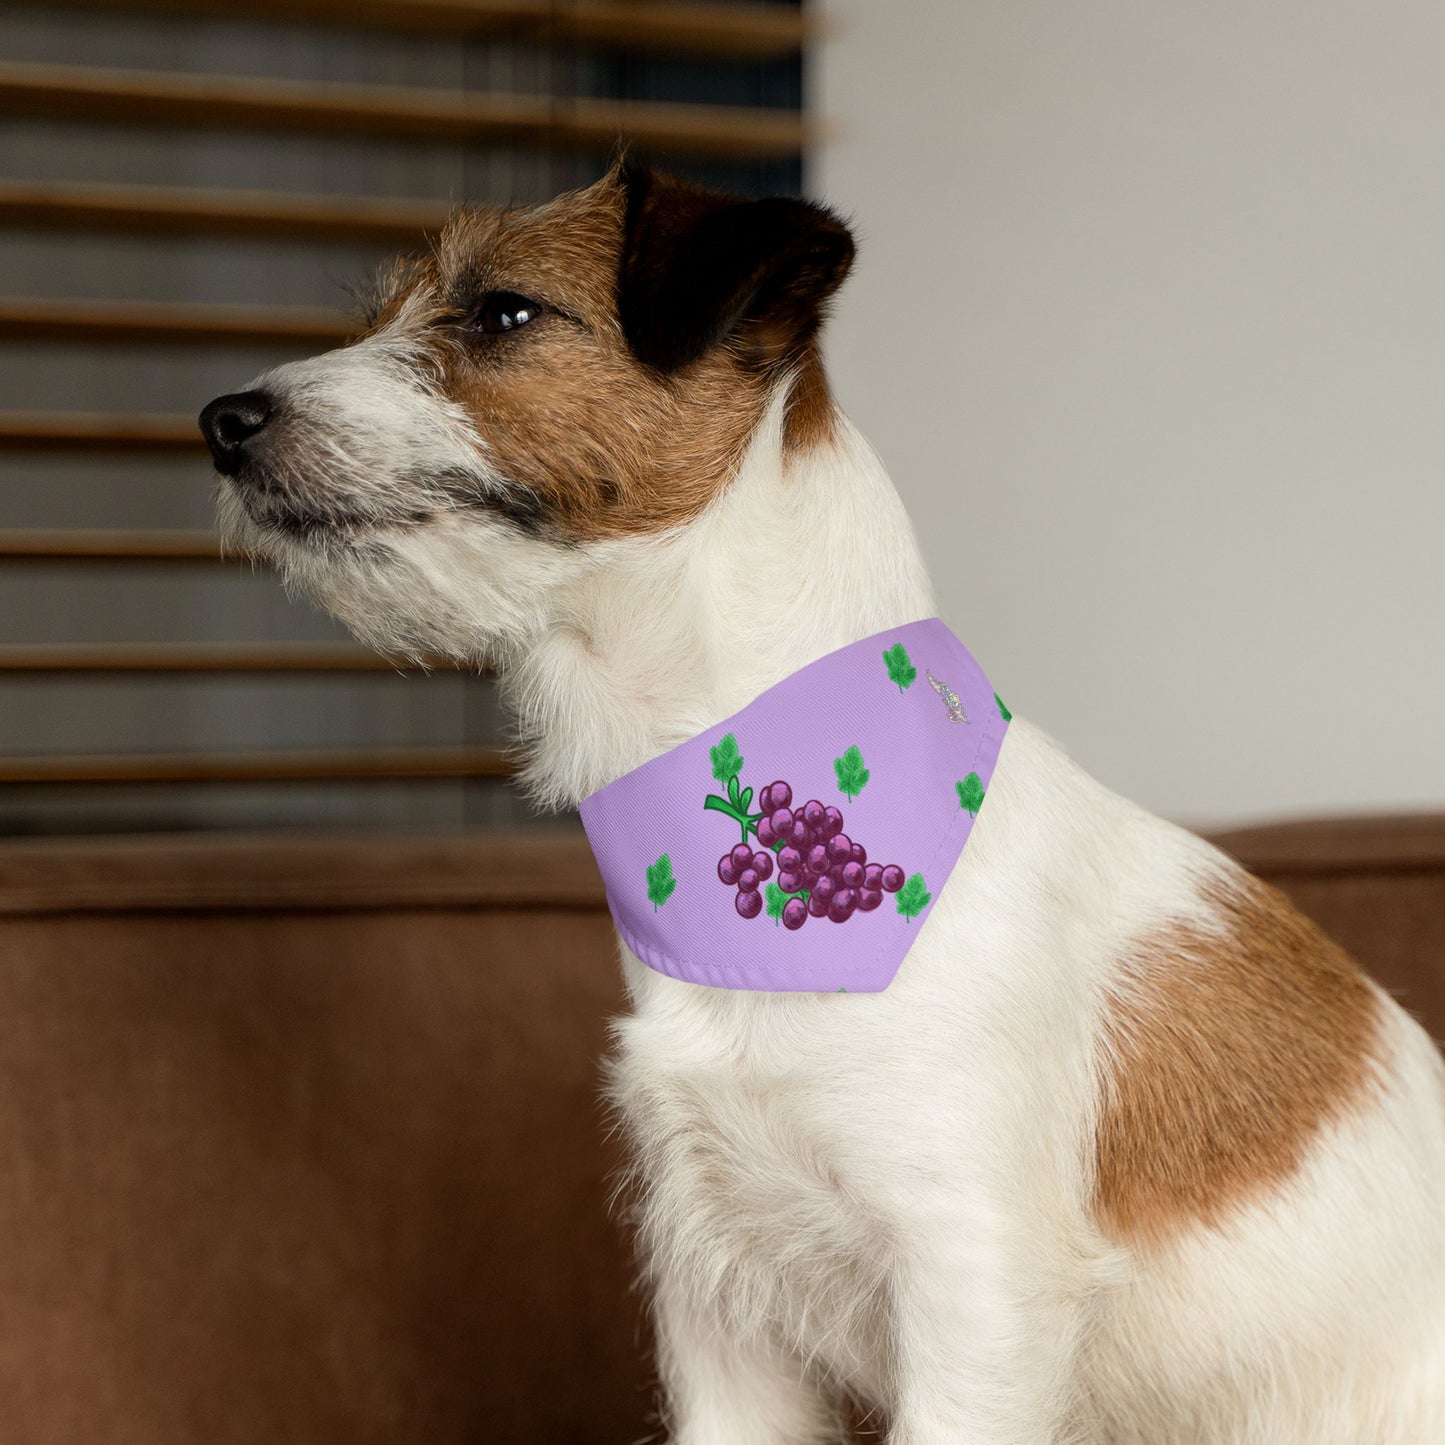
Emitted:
<point x="984" y="1339"/>
<point x="722" y="1386"/>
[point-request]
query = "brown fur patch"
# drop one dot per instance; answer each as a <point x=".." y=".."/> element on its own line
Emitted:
<point x="812" y="415"/>
<point x="1227" y="1052"/>
<point x="606" y="445"/>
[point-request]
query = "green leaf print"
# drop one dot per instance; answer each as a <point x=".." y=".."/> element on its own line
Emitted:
<point x="852" y="775"/>
<point x="970" y="794"/>
<point x="900" y="668"/>
<point x="913" y="897"/>
<point x="660" y="882"/>
<point x="1003" y="712"/>
<point x="727" y="762"/>
<point x="776" y="900"/>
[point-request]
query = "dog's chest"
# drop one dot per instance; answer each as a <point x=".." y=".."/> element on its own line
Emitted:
<point x="749" y="1182"/>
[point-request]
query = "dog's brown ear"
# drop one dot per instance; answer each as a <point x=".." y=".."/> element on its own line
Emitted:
<point x="699" y="266"/>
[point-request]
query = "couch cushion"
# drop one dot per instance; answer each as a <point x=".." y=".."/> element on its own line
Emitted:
<point x="1374" y="884"/>
<point x="303" y="1143"/>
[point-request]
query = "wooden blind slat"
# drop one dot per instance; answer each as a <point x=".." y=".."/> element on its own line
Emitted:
<point x="82" y="544"/>
<point x="173" y="211"/>
<point x="171" y="323"/>
<point x="218" y="102"/>
<point x="77" y="431"/>
<point x="754" y="32"/>
<point x="761" y="32"/>
<point x="188" y="657"/>
<point x="327" y="765"/>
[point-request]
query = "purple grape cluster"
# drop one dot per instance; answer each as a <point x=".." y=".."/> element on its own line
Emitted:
<point x="827" y="873"/>
<point x="746" y="871"/>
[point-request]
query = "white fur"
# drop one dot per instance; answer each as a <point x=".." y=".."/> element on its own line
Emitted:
<point x="889" y="1194"/>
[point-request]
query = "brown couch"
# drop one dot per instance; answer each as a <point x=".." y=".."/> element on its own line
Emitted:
<point x="302" y="1141"/>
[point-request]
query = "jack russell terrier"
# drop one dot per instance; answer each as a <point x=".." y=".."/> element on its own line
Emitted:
<point x="1043" y="1123"/>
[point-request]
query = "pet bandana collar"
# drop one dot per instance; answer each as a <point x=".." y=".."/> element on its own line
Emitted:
<point x="799" y="844"/>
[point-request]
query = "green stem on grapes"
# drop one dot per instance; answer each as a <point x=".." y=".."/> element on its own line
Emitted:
<point x="747" y="821"/>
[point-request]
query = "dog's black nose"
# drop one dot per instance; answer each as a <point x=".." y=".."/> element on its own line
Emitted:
<point x="229" y="422"/>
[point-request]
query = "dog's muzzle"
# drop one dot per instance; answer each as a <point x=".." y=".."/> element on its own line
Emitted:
<point x="230" y="423"/>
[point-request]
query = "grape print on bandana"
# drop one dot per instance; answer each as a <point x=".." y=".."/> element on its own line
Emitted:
<point x="822" y="879"/>
<point x="822" y="872"/>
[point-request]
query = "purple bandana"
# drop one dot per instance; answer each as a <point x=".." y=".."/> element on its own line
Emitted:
<point x="800" y="844"/>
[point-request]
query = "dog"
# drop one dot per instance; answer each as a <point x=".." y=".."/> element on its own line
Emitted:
<point x="1128" y="1153"/>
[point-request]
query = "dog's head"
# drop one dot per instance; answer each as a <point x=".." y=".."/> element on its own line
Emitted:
<point x="544" y="383"/>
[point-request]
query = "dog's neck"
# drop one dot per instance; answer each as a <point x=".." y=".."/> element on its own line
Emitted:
<point x="664" y="636"/>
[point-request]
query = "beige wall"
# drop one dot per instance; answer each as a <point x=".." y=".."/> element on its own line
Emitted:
<point x="1149" y="324"/>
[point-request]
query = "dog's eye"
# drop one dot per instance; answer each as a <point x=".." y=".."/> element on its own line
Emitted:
<point x="504" y="311"/>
